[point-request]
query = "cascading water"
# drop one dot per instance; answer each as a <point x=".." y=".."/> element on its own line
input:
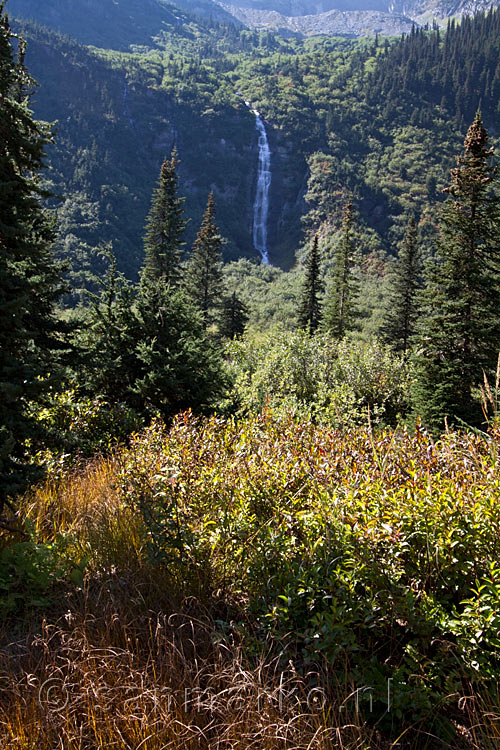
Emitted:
<point x="261" y="205"/>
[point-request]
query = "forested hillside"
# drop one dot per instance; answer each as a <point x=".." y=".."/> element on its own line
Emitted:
<point x="118" y="25"/>
<point x="248" y="503"/>
<point x="379" y="120"/>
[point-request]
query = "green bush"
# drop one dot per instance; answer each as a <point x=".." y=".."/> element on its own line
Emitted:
<point x="79" y="427"/>
<point x="30" y="569"/>
<point x="336" y="383"/>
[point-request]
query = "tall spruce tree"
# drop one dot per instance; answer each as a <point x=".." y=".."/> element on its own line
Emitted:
<point x="147" y="347"/>
<point x="338" y="317"/>
<point x="204" y="274"/>
<point x="29" y="279"/>
<point x="460" y="328"/>
<point x="399" y="325"/>
<point x="165" y="227"/>
<point x="310" y="309"/>
<point x="234" y="317"/>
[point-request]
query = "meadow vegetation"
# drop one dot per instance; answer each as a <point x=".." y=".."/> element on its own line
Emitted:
<point x="265" y="582"/>
<point x="246" y="535"/>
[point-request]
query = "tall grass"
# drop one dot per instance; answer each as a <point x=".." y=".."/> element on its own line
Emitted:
<point x="263" y="583"/>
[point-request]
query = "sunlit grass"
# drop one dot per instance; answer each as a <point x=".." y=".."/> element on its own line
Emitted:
<point x="223" y="575"/>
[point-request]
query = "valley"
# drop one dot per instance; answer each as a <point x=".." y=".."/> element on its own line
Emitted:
<point x="249" y="375"/>
<point x="325" y="101"/>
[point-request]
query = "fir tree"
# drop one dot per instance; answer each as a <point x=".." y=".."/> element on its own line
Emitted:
<point x="310" y="310"/>
<point x="165" y="227"/>
<point x="29" y="279"/>
<point x="400" y="321"/>
<point x="204" y="275"/>
<point x="339" y="306"/>
<point x="177" y="367"/>
<point x="110" y="335"/>
<point x="149" y="349"/>
<point x="460" y="329"/>
<point x="234" y="317"/>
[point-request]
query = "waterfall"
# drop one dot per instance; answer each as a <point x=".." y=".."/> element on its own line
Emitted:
<point x="261" y="205"/>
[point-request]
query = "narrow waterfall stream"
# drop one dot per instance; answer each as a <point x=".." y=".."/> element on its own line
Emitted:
<point x="261" y="205"/>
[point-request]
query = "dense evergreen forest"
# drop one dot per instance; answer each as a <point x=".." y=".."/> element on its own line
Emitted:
<point x="247" y="504"/>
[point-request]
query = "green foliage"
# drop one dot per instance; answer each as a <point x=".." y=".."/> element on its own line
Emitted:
<point x="459" y="336"/>
<point x="108" y="336"/>
<point x="339" y="314"/>
<point x="77" y="426"/>
<point x="402" y="313"/>
<point x="150" y="352"/>
<point x="234" y="317"/>
<point x="270" y="295"/>
<point x="29" y="278"/>
<point x="337" y="383"/>
<point x="165" y="228"/>
<point x="175" y="365"/>
<point x="204" y="270"/>
<point x="370" y="553"/>
<point x="30" y="570"/>
<point x="380" y="122"/>
<point x="310" y="309"/>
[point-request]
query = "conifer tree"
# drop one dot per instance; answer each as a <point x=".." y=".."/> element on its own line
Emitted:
<point x="310" y="310"/>
<point x="177" y="366"/>
<point x="234" y="317"/>
<point x="165" y="227"/>
<point x="339" y="307"/>
<point x="460" y="329"/>
<point x="204" y="274"/>
<point x="110" y="335"/>
<point x="29" y="279"/>
<point x="148" y="348"/>
<point x="400" y="320"/>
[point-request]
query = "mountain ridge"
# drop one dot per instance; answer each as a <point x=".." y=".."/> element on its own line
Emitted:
<point x="333" y="22"/>
<point x="119" y="24"/>
<point x="123" y="24"/>
<point x="342" y="17"/>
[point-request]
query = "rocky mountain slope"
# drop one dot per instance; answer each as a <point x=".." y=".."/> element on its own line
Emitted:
<point x="350" y="17"/>
<point x="118" y="24"/>
<point x="333" y="22"/>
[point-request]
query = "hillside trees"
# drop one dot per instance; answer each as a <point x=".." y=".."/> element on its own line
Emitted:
<point x="339" y="304"/>
<point x="148" y="343"/>
<point x="310" y="308"/>
<point x="29" y="279"/>
<point x="401" y="316"/>
<point x="460" y="329"/>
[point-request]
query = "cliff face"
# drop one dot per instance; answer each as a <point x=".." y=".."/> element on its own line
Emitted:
<point x="440" y="9"/>
<point x="311" y="7"/>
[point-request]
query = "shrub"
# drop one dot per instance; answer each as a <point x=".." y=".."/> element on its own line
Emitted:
<point x="77" y="426"/>
<point x="336" y="383"/>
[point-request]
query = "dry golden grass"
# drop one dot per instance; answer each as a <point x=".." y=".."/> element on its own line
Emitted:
<point x="127" y="666"/>
<point x="100" y="678"/>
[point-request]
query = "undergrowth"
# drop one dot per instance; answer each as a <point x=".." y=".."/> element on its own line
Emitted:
<point x="260" y="583"/>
